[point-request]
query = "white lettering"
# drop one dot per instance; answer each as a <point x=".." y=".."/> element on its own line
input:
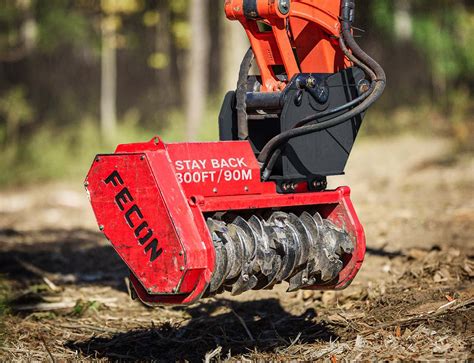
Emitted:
<point x="215" y="164"/>
<point x="178" y="164"/>
<point x="232" y="169"/>
<point x="241" y="163"/>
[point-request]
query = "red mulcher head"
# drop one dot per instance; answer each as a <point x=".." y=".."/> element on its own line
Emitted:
<point x="196" y="219"/>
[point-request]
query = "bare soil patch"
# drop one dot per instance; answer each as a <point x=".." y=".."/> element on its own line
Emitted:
<point x="413" y="299"/>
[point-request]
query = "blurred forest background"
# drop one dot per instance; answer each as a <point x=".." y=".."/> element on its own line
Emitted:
<point x="79" y="76"/>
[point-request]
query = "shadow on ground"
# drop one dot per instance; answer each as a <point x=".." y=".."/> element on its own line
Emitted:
<point x="236" y="327"/>
<point x="75" y="256"/>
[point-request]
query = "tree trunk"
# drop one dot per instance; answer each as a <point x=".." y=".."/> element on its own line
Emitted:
<point x="403" y="21"/>
<point x="164" y="76"/>
<point x="196" y="85"/>
<point x="108" y="91"/>
<point x="234" y="43"/>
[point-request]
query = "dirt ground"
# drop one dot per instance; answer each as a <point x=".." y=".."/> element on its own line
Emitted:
<point x="413" y="299"/>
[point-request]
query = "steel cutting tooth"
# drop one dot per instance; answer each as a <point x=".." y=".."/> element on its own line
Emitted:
<point x="244" y="284"/>
<point x="283" y="220"/>
<point x="250" y="269"/>
<point x="315" y="252"/>
<point x="259" y="256"/>
<point x="256" y="225"/>
<point x="221" y="263"/>
<point x="325" y="264"/>
<point x="215" y="226"/>
<point x="233" y="250"/>
<point x="272" y="261"/>
<point x="220" y="268"/>
<point x="318" y="219"/>
<point x="265" y="248"/>
<point x="331" y="265"/>
<point x="250" y="236"/>
<point x="284" y="239"/>
<point x="308" y="234"/>
<point x="343" y="241"/>
<point x="246" y="280"/>
<point x="303" y="236"/>
<point x="301" y="277"/>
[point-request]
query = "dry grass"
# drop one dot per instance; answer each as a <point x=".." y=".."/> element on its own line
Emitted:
<point x="424" y="310"/>
<point x="413" y="299"/>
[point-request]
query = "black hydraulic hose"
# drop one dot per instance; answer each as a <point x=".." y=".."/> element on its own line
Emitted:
<point x="347" y="12"/>
<point x="355" y="101"/>
<point x="334" y="110"/>
<point x="241" y="92"/>
<point x="342" y="44"/>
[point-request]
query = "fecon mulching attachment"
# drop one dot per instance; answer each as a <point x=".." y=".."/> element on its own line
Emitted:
<point x="250" y="211"/>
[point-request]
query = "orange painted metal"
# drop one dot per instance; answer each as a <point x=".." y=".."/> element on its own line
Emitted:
<point x="303" y="41"/>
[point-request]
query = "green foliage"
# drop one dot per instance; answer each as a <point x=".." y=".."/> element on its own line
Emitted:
<point x="49" y="92"/>
<point x="4" y="306"/>
<point x="443" y="30"/>
<point x="83" y="307"/>
<point x="52" y="153"/>
<point x="180" y="27"/>
<point x="176" y="125"/>
<point x="43" y="315"/>
<point x="382" y="13"/>
<point x="15" y="112"/>
<point x="446" y="38"/>
<point x="9" y="18"/>
<point x="4" y="293"/>
<point x="59" y="25"/>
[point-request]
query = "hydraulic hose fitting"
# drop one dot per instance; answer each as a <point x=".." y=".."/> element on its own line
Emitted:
<point x="284" y="6"/>
<point x="257" y="9"/>
<point x="348" y="10"/>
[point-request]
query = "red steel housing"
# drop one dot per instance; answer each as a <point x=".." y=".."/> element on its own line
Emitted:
<point x="151" y="200"/>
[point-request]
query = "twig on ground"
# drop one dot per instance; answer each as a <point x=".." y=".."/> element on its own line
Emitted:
<point x="45" y="306"/>
<point x="208" y="357"/>
<point x="243" y="324"/>
<point x="47" y="349"/>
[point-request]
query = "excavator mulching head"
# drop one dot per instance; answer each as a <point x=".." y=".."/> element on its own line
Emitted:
<point x="252" y="210"/>
<point x="194" y="219"/>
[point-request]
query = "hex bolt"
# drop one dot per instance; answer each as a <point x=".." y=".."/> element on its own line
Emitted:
<point x="86" y="184"/>
<point x="363" y="86"/>
<point x="97" y="159"/>
<point x="101" y="227"/>
<point x="214" y="190"/>
<point x="142" y="157"/>
<point x="294" y="186"/>
<point x="246" y="189"/>
<point x="319" y="184"/>
<point x="181" y="253"/>
<point x="299" y="98"/>
<point x="311" y="82"/>
<point x="284" y="6"/>
<point x="181" y="268"/>
<point x="285" y="186"/>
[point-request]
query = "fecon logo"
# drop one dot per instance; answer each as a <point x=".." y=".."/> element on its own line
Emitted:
<point x="134" y="217"/>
